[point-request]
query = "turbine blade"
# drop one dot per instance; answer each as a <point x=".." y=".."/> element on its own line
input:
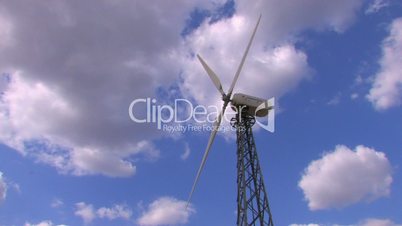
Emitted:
<point x="212" y="75"/>
<point x="243" y="59"/>
<point x="217" y="123"/>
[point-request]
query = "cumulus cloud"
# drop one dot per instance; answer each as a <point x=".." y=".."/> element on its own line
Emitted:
<point x="334" y="15"/>
<point x="74" y="78"/>
<point x="166" y="211"/>
<point x="274" y="66"/>
<point x="386" y="91"/>
<point x="3" y="188"/>
<point x="88" y="213"/>
<point x="75" y="67"/>
<point x="344" y="176"/>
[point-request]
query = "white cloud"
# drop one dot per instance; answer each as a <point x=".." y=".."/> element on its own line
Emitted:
<point x="377" y="5"/>
<point x="44" y="223"/>
<point x="335" y="100"/>
<point x="56" y="203"/>
<point x="82" y="74"/>
<point x="85" y="211"/>
<point x="31" y="123"/>
<point x="354" y="96"/>
<point x="367" y="222"/>
<point x="316" y="14"/>
<point x="274" y="66"/>
<point x="88" y="213"/>
<point x="304" y="225"/>
<point x="378" y="222"/>
<point x="386" y="91"/>
<point x="3" y="188"/>
<point x="186" y="152"/>
<point x="117" y="211"/>
<point x="166" y="211"/>
<point x="85" y="68"/>
<point x="344" y="176"/>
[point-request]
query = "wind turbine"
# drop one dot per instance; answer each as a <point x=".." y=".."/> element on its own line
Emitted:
<point x="252" y="199"/>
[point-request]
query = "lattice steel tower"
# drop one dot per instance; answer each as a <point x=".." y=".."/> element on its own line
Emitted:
<point x="252" y="199"/>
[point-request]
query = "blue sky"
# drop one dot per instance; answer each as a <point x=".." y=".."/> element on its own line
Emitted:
<point x="70" y="155"/>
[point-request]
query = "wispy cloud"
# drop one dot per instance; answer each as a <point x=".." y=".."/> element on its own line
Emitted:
<point x="376" y="6"/>
<point x="335" y="100"/>
<point x="56" y="203"/>
<point x="186" y="152"/>
<point x="3" y="188"/>
<point x="354" y="96"/>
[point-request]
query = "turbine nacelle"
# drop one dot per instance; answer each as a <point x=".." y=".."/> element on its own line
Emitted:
<point x="252" y="105"/>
